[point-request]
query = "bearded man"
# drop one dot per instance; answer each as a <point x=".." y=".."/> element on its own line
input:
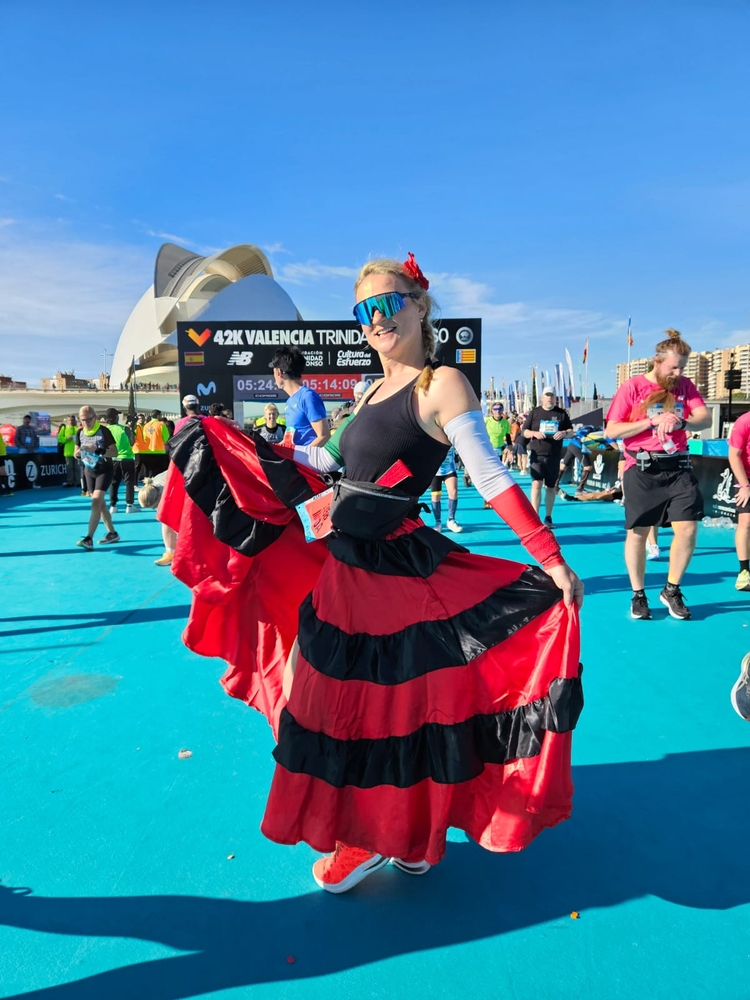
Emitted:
<point x="653" y="413"/>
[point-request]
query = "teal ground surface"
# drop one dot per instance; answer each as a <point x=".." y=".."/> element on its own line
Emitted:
<point x="114" y="868"/>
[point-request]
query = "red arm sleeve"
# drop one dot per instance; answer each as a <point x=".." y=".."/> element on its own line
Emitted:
<point x="515" y="509"/>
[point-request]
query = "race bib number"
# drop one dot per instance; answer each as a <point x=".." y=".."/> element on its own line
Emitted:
<point x="88" y="453"/>
<point x="315" y="515"/>
<point x="549" y="427"/>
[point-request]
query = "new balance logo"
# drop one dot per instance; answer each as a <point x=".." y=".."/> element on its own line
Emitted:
<point x="240" y="358"/>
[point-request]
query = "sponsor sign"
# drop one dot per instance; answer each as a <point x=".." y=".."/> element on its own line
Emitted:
<point x="235" y="356"/>
<point x="25" y="471"/>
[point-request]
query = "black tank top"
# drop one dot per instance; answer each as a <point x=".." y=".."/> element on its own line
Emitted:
<point x="382" y="433"/>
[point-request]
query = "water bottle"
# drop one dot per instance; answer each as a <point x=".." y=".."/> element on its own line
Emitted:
<point x="709" y="522"/>
<point x="726" y="522"/>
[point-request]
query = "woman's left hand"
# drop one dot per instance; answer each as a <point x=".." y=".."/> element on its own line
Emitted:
<point x="570" y="584"/>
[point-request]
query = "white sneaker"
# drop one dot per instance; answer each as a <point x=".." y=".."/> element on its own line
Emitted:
<point x="129" y="508"/>
<point x="412" y="867"/>
<point x="453" y="525"/>
<point x="113" y="509"/>
<point x="438" y="528"/>
<point x="652" y="551"/>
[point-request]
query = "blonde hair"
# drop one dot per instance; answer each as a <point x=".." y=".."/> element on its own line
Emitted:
<point x="674" y="344"/>
<point x="387" y="265"/>
<point x="149" y="494"/>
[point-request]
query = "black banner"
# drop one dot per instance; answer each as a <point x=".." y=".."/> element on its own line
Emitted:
<point x="716" y="481"/>
<point x="228" y="361"/>
<point x="25" y="471"/>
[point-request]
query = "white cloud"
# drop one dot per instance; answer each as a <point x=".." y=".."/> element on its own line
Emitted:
<point x="274" y="248"/>
<point x="7" y="222"/>
<point x="313" y="270"/>
<point x="62" y="197"/>
<point x="171" y="238"/>
<point x="64" y="301"/>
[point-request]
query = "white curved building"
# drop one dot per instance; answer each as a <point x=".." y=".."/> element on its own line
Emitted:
<point x="234" y="284"/>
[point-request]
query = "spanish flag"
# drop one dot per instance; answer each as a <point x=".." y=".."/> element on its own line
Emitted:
<point x="586" y="351"/>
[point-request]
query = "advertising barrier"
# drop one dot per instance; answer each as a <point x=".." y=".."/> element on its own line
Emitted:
<point x="26" y="471"/>
<point x="715" y="480"/>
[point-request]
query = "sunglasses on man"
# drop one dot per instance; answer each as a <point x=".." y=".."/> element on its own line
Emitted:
<point x="387" y="304"/>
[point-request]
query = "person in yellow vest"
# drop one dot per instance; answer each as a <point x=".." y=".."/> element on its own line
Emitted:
<point x="5" y="490"/>
<point x="155" y="436"/>
<point x="66" y="437"/>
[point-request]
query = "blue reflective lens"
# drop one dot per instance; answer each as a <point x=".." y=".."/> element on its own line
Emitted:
<point x="387" y="305"/>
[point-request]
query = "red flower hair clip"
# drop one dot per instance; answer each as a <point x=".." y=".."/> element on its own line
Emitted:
<point x="414" y="271"/>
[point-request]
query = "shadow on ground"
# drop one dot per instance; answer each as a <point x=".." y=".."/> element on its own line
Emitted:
<point x="667" y="828"/>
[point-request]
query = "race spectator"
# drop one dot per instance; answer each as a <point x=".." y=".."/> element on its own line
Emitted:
<point x="446" y="474"/>
<point x="498" y="428"/>
<point x="545" y="429"/>
<point x="123" y="470"/>
<point x="27" y="439"/>
<point x="305" y="411"/>
<point x="66" y="437"/>
<point x="155" y="436"/>
<point x="139" y="446"/>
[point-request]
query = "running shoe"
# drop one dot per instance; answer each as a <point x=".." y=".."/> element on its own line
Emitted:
<point x="467" y="481"/>
<point x="347" y="866"/>
<point x="743" y="580"/>
<point x="113" y="509"/>
<point x="412" y="867"/>
<point x="86" y="543"/>
<point x="84" y="493"/>
<point x="130" y="508"/>
<point x="673" y="601"/>
<point x="548" y="521"/>
<point x="453" y="525"/>
<point x="639" y="607"/>
<point x="652" y="551"/>
<point x="740" y="694"/>
<point x="438" y="527"/>
<point x="562" y="494"/>
<point x="165" y="560"/>
<point x="109" y="538"/>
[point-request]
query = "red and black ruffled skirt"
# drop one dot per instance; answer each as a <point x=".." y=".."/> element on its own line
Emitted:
<point x="434" y="687"/>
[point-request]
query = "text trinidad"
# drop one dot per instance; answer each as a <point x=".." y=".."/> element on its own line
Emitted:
<point x="289" y="338"/>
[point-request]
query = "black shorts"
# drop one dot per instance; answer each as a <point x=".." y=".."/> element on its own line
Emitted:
<point x="658" y="498"/>
<point x="544" y="468"/>
<point x="519" y="445"/>
<point x="98" y="478"/>
<point x="437" y="482"/>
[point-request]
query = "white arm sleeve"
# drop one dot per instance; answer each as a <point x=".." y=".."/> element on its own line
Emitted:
<point x="468" y="434"/>
<point x="315" y="458"/>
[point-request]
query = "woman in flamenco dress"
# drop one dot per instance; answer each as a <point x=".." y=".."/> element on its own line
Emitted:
<point x="411" y="684"/>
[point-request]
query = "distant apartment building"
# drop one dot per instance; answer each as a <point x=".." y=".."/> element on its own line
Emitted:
<point x="66" y="380"/>
<point x="7" y="382"/>
<point x="639" y="366"/>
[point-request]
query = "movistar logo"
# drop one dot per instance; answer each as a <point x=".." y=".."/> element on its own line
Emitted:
<point x="206" y="390"/>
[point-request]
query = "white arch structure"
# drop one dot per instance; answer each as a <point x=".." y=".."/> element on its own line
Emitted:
<point x="185" y="285"/>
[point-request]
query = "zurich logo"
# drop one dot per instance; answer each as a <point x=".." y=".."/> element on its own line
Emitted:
<point x="464" y="335"/>
<point x="206" y="390"/>
<point x="31" y="471"/>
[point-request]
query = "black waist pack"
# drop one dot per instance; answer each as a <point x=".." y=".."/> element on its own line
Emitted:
<point x="660" y="461"/>
<point x="366" y="510"/>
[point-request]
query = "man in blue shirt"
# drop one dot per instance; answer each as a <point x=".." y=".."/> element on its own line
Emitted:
<point x="305" y="411"/>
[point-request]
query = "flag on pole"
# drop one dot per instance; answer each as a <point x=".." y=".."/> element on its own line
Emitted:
<point x="586" y="351"/>
<point x="630" y="334"/>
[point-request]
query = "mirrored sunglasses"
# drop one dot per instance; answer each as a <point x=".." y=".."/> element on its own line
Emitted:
<point x="387" y="304"/>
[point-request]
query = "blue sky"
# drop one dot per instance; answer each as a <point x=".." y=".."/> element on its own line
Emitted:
<point x="553" y="166"/>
